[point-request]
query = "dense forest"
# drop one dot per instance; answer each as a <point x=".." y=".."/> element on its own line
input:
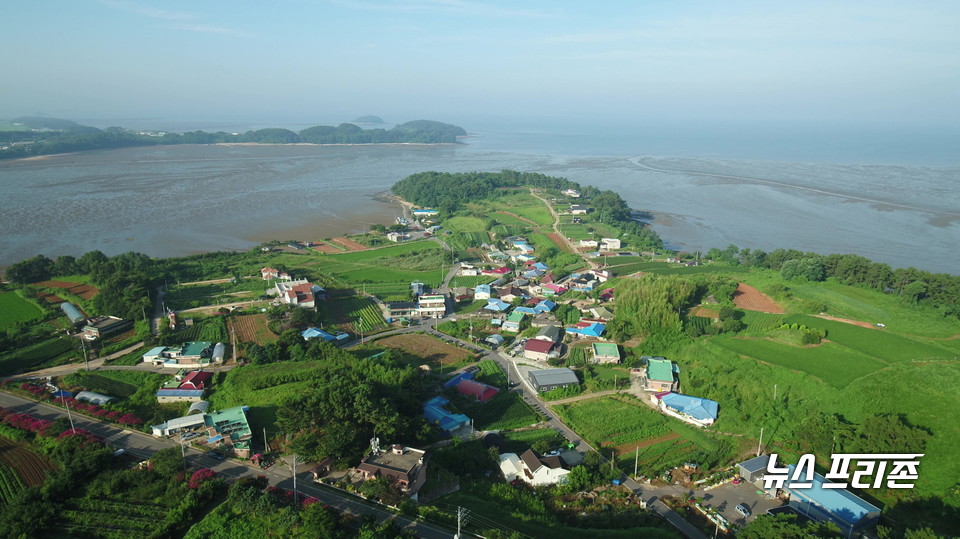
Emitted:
<point x="47" y="136"/>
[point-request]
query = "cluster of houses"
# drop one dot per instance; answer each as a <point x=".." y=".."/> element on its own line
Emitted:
<point x="661" y="377"/>
<point x="185" y="387"/>
<point x="290" y="291"/>
<point x="424" y="305"/>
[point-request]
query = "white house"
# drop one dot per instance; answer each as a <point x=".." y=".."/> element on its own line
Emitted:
<point x="467" y="270"/>
<point x="533" y="470"/>
<point x="301" y="293"/>
<point x="610" y="243"/>
<point x="577" y="209"/>
<point x="572" y="193"/>
<point x="589" y="243"/>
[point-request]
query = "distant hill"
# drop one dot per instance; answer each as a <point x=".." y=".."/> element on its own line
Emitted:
<point x="45" y="136"/>
<point x="54" y="124"/>
<point x="369" y="120"/>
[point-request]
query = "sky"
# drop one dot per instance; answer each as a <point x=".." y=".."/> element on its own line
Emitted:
<point x="857" y="62"/>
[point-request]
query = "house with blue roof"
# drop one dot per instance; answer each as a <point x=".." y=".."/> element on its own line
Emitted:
<point x="840" y="506"/>
<point x="436" y="414"/>
<point x="525" y="310"/>
<point x="695" y="410"/>
<point x="540" y="266"/>
<point x="457" y="378"/>
<point x="587" y="329"/>
<point x="533" y="274"/>
<point x="544" y="306"/>
<point x="482" y="291"/>
<point x="314" y="333"/>
<point x="496" y="305"/>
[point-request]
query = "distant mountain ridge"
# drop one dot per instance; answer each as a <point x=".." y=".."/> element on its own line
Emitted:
<point x="45" y="136"/>
<point x="369" y="119"/>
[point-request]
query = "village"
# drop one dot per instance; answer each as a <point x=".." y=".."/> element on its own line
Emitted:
<point x="520" y="360"/>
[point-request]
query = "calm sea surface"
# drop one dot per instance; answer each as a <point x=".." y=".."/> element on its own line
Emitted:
<point x="179" y="200"/>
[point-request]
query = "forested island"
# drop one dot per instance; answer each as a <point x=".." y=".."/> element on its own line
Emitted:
<point x="34" y="136"/>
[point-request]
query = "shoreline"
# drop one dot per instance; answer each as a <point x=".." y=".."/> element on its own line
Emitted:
<point x="231" y="144"/>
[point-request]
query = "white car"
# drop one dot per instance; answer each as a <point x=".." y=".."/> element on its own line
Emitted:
<point x="743" y="509"/>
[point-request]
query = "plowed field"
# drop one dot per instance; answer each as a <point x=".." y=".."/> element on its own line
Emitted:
<point x="350" y="244"/>
<point x="253" y="328"/>
<point x="749" y="298"/>
<point x="325" y="248"/>
<point x="31" y="467"/>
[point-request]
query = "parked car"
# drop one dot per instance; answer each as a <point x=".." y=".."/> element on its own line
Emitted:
<point x="743" y="509"/>
<point x="217" y="455"/>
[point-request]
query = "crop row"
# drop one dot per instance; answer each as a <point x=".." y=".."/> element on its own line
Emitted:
<point x="10" y="484"/>
<point x="366" y="310"/>
<point x="107" y="386"/>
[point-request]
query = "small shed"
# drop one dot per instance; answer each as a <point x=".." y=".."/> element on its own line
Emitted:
<point x="752" y="470"/>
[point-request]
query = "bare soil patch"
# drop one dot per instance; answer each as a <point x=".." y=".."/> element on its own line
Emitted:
<point x="31" y="467"/>
<point x="704" y="312"/>
<point x="429" y="348"/>
<point x="350" y="244"/>
<point x="749" y="298"/>
<point x="623" y="449"/>
<point x="51" y="299"/>
<point x="325" y="248"/>
<point x="847" y="321"/>
<point x="83" y="291"/>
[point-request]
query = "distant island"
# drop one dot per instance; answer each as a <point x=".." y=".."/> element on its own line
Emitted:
<point x="369" y="119"/>
<point x="33" y="136"/>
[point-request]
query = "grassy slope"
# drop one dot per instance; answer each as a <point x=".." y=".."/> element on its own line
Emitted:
<point x="15" y="308"/>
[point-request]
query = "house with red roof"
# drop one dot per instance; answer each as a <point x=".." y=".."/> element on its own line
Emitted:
<point x="478" y="390"/>
<point x="502" y="270"/>
<point x="272" y="273"/>
<point x="539" y="350"/>
<point x="300" y="293"/>
<point x="196" y="380"/>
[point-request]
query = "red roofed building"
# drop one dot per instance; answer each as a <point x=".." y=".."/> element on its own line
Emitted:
<point x="481" y="392"/>
<point x="503" y="270"/>
<point x="300" y="293"/>
<point x="271" y="273"/>
<point x="196" y="380"/>
<point x="538" y="350"/>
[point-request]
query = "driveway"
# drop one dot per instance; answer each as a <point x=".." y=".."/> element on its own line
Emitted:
<point x="726" y="497"/>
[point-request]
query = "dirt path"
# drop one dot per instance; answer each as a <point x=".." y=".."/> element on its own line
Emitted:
<point x="556" y="231"/>
<point x="749" y="298"/>
<point x="847" y="321"/>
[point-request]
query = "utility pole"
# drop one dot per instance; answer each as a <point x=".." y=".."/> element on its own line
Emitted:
<point x="636" y="460"/>
<point x="774" y="391"/>
<point x="296" y="502"/>
<point x="266" y="446"/>
<point x="462" y="515"/>
<point x="69" y="416"/>
<point x="83" y="345"/>
<point x="760" y="443"/>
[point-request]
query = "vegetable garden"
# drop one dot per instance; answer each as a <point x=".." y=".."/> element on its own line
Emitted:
<point x="364" y="309"/>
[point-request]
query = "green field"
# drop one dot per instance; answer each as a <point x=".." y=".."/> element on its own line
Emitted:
<point x="833" y="363"/>
<point x="491" y="373"/>
<point x="613" y="421"/>
<point x="53" y="351"/>
<point x="104" y="385"/>
<point x="862" y="304"/>
<point x="465" y="224"/>
<point x="15" y="308"/>
<point x="506" y="410"/>
<point x="879" y="343"/>
<point x="186" y="297"/>
<point x="361" y="308"/>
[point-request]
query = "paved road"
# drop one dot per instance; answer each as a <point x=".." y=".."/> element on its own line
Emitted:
<point x="143" y="446"/>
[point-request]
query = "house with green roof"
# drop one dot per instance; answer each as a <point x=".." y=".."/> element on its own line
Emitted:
<point x="606" y="352"/>
<point x="661" y="374"/>
<point x="512" y="323"/>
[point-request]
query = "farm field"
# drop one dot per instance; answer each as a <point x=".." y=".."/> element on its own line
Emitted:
<point x="10" y="484"/>
<point x="612" y="422"/>
<point x="465" y="224"/>
<point x="833" y="363"/>
<point x="15" y="308"/>
<point x="435" y="352"/>
<point x="81" y="290"/>
<point x="349" y="244"/>
<point x="360" y="308"/>
<point x="749" y="298"/>
<point x="506" y="410"/>
<point x="56" y="350"/>
<point x="30" y="467"/>
<point x="105" y="385"/>
<point x="863" y="304"/>
<point x="253" y="328"/>
<point x="187" y="297"/>
<point x="879" y="343"/>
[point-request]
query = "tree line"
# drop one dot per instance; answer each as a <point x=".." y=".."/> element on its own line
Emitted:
<point x="84" y="138"/>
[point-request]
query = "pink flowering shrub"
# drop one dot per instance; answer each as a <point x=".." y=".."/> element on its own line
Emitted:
<point x="201" y="476"/>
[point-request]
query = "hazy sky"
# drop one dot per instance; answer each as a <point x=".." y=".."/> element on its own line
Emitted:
<point x="307" y="60"/>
